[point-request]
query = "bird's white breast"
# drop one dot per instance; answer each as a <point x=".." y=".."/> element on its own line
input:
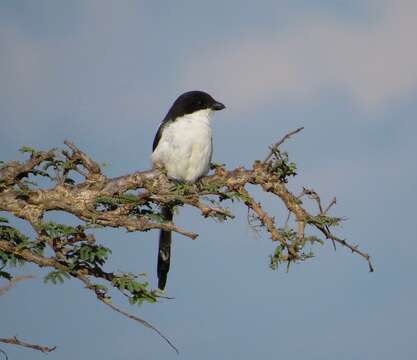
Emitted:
<point x="185" y="147"/>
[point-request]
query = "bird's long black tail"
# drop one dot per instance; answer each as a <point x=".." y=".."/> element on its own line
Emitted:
<point x="164" y="253"/>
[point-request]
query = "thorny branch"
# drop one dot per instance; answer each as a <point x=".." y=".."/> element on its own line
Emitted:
<point x="280" y="142"/>
<point x="132" y="202"/>
<point x="101" y="297"/>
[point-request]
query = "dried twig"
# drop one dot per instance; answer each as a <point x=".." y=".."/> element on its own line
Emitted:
<point x="353" y="248"/>
<point x="262" y="215"/>
<point x="280" y="142"/>
<point x="15" y="170"/>
<point x="15" y="341"/>
<point x="88" y="163"/>
<point x="333" y="202"/>
<point x="142" y="322"/>
<point x="13" y="282"/>
<point x="314" y="196"/>
<point x="125" y="313"/>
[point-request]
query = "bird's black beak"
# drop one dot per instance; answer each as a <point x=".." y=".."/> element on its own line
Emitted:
<point x="218" y="106"/>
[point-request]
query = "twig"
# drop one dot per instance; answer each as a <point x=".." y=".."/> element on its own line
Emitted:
<point x="15" y="341"/>
<point x="125" y="313"/>
<point x="314" y="196"/>
<point x="89" y="164"/>
<point x="262" y="215"/>
<point x="287" y="220"/>
<point x="343" y="242"/>
<point x="15" y="170"/>
<point x="28" y="255"/>
<point x="142" y="322"/>
<point x="13" y="282"/>
<point x="278" y="143"/>
<point x="333" y="202"/>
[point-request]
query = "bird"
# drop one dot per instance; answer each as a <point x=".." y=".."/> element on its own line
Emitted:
<point x="183" y="145"/>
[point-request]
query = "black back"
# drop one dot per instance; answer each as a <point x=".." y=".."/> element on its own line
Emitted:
<point x="185" y="104"/>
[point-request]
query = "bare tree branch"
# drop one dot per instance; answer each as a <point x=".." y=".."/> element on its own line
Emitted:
<point x="15" y="341"/>
<point x="16" y="170"/>
<point x="141" y="321"/>
<point x="262" y="216"/>
<point x="280" y="142"/>
<point x="353" y="248"/>
<point x="333" y="202"/>
<point x="92" y="167"/>
<point x="12" y="282"/>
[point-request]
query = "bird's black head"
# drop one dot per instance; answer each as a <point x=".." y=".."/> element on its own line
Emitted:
<point x="191" y="102"/>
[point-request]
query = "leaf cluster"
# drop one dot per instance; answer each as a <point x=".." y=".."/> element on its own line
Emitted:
<point x="282" y="166"/>
<point x="19" y="241"/>
<point x="138" y="291"/>
<point x="282" y="254"/>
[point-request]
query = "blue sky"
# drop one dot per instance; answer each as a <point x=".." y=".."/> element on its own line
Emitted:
<point x="103" y="74"/>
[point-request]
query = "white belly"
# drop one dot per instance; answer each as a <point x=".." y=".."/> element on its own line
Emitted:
<point x="185" y="148"/>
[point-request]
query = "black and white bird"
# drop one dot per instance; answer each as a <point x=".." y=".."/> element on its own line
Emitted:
<point x="183" y="146"/>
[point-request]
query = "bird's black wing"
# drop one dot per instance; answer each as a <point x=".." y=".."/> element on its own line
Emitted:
<point x="168" y="119"/>
<point x="158" y="136"/>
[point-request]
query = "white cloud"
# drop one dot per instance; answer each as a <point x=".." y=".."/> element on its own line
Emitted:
<point x="373" y="63"/>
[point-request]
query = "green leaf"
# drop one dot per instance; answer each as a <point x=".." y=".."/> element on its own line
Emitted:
<point x="324" y="220"/>
<point x="101" y="288"/>
<point x="21" y="194"/>
<point x="138" y="290"/>
<point x="277" y="257"/>
<point x="13" y="235"/>
<point x="4" y="220"/>
<point x="27" y="149"/>
<point x="15" y="261"/>
<point x="4" y="257"/>
<point x="95" y="255"/>
<point x="5" y="275"/>
<point x="55" y="230"/>
<point x="108" y="203"/>
<point x="56" y="276"/>
<point x="282" y="167"/>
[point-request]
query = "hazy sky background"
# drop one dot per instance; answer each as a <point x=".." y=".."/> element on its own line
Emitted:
<point x="104" y="73"/>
